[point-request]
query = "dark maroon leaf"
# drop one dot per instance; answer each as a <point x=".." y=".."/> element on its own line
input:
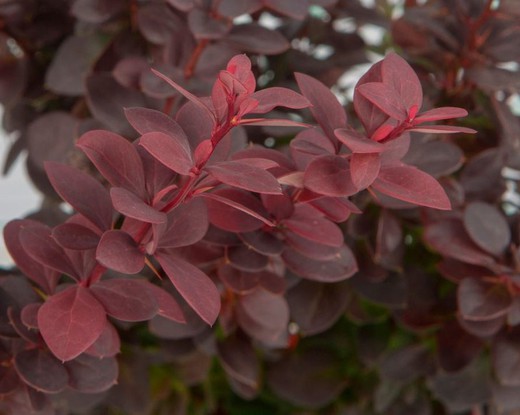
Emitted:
<point x="9" y="380"/>
<point x="115" y="158"/>
<point x="450" y="238"/>
<point x="91" y="374"/>
<point x="506" y="358"/>
<point x="244" y="175"/>
<point x="264" y="316"/>
<point x="240" y="361"/>
<point x="51" y="137"/>
<point x="481" y="300"/>
<point x="193" y="285"/>
<point x="40" y="246"/>
<point x="72" y="63"/>
<point x="29" y="315"/>
<point x="234" y="8"/>
<point x="437" y="158"/>
<point x="315" y="307"/>
<point x="412" y="185"/>
<point x="235" y="210"/>
<point x="41" y="370"/>
<point x="246" y="259"/>
<point x="329" y="176"/>
<point x="311" y="379"/>
<point x="406" y="363"/>
<point x="157" y="23"/>
<point x="312" y="249"/>
<point x="204" y="25"/>
<point x="324" y="271"/>
<point x="254" y="38"/>
<point x="96" y="11"/>
<point x="325" y="108"/>
<point x="117" y="250"/>
<point x="71" y="321"/>
<point x="265" y="243"/>
<point x="236" y="280"/>
<point x="74" y="236"/>
<point x="108" y="343"/>
<point x="168" y="306"/>
<point x="487" y="227"/>
<point x="456" y="347"/>
<point x="172" y="151"/>
<point x="83" y="192"/>
<point x="126" y="299"/>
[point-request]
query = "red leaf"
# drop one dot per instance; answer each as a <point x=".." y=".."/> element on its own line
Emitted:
<point x="330" y="176"/>
<point x="273" y="122"/>
<point x="400" y="76"/>
<point x="108" y="343"/>
<point x="71" y="321"/>
<point x="130" y="205"/>
<point x="325" y="108"/>
<point x="479" y="300"/>
<point x="412" y="185"/>
<point x="316" y="229"/>
<point x="270" y="98"/>
<point x="442" y="129"/>
<point x="74" y="236"/>
<point x="126" y="299"/>
<point x="364" y="169"/>
<point x="83" y="192"/>
<point x="117" y="250"/>
<point x="193" y="285"/>
<point x="168" y="306"/>
<point x="241" y="174"/>
<point x="187" y="224"/>
<point x="357" y="143"/>
<point x="115" y="158"/>
<point x="172" y="151"/>
<point x="384" y="97"/>
<point x="442" y="113"/>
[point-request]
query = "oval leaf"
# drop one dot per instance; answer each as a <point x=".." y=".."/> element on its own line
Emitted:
<point x="118" y="251"/>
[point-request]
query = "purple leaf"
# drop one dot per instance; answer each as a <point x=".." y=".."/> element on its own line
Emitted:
<point x="71" y="321"/>
<point x="108" y="343"/>
<point x="487" y="227"/>
<point x="89" y="374"/>
<point x="115" y="158"/>
<point x="172" y="151"/>
<point x="238" y="281"/>
<point x="264" y="316"/>
<point x="262" y="242"/>
<point x="188" y="95"/>
<point x="41" y="370"/>
<point x="270" y="98"/>
<point x="272" y="122"/>
<point x="295" y="9"/>
<point x="126" y="299"/>
<point x="241" y="174"/>
<point x="480" y="300"/>
<point x="311" y="249"/>
<point x="117" y="250"/>
<point x="325" y="107"/>
<point x="364" y="169"/>
<point x="412" y="185"/>
<point x="506" y="358"/>
<point x="130" y="205"/>
<point x="385" y="98"/>
<point x="83" y="192"/>
<point x="253" y="38"/>
<point x="246" y="259"/>
<point x="168" y="306"/>
<point x="193" y="285"/>
<point x="330" y="176"/>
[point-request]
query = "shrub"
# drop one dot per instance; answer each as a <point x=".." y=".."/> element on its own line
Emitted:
<point x="241" y="242"/>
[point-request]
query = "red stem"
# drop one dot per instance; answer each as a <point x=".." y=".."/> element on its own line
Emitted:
<point x="189" y="69"/>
